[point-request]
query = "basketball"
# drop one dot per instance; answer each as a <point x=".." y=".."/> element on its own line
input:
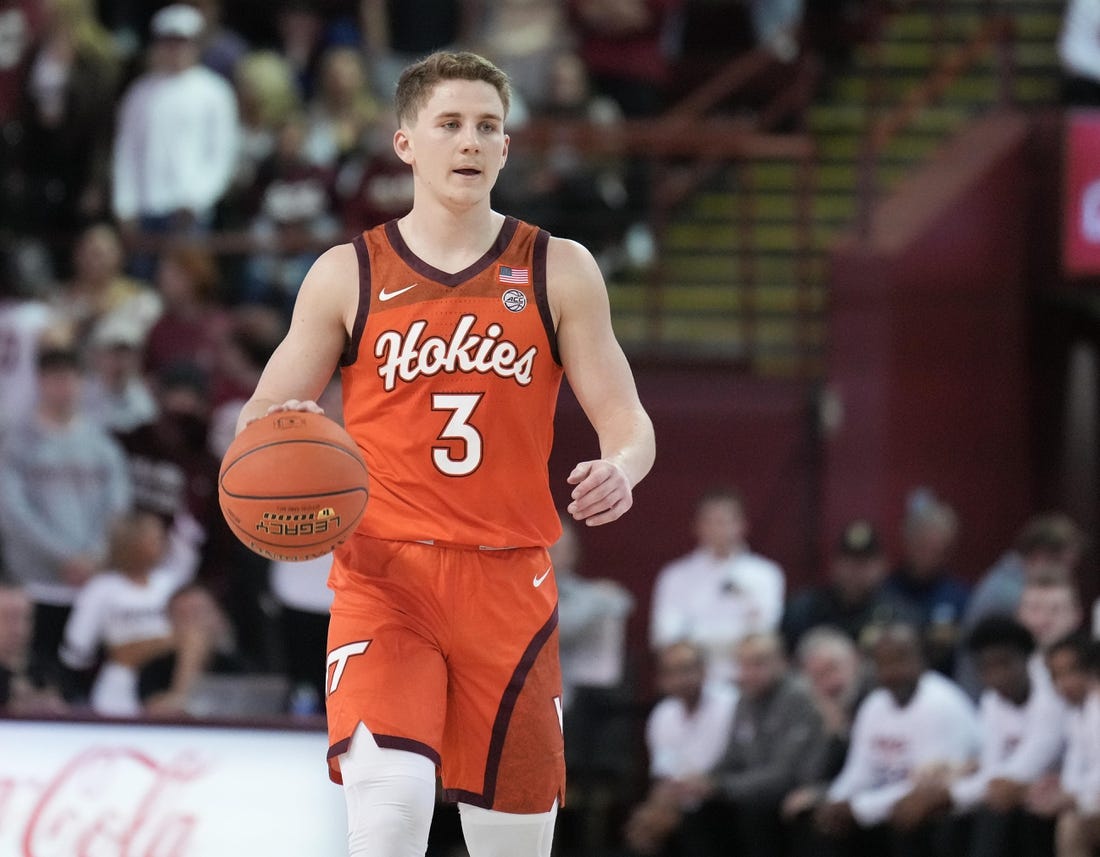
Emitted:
<point x="292" y="485"/>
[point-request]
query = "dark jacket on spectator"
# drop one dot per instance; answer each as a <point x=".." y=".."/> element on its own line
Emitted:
<point x="772" y="739"/>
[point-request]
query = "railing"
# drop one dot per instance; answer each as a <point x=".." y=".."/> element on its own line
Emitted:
<point x="884" y="125"/>
<point x="686" y="148"/>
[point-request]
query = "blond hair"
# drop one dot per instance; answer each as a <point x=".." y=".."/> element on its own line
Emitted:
<point x="268" y="77"/>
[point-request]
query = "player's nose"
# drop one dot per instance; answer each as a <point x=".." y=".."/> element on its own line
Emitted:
<point x="470" y="140"/>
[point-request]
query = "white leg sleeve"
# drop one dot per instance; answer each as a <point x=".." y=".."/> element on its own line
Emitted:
<point x="505" y="834"/>
<point x="390" y="796"/>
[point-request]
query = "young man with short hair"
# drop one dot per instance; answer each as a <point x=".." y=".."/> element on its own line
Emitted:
<point x="1073" y="798"/>
<point x="452" y="327"/>
<point x="1021" y="740"/>
<point x="915" y="722"/>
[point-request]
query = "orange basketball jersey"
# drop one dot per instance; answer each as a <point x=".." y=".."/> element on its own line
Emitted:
<point x="450" y="384"/>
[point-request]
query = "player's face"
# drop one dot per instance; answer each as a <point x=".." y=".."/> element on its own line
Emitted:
<point x="150" y="540"/>
<point x="680" y="672"/>
<point x="898" y="667"/>
<point x="59" y="390"/>
<point x="720" y="526"/>
<point x="831" y="674"/>
<point x="1069" y="677"/>
<point x="1004" y="669"/>
<point x="759" y="668"/>
<point x="1048" y="612"/>
<point x="456" y="144"/>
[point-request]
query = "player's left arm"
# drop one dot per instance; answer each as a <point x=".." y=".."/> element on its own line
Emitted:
<point x="601" y="378"/>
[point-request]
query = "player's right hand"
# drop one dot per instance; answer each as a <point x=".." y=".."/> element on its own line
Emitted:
<point x="296" y="405"/>
<point x="250" y="413"/>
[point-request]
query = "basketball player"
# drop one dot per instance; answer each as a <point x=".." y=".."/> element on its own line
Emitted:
<point x="452" y="327"/>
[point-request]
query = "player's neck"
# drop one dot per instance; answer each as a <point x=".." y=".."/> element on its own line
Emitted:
<point x="448" y="239"/>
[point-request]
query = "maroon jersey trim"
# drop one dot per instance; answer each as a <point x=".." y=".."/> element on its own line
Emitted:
<point x="504" y="238"/>
<point x="351" y="353"/>
<point x="542" y="242"/>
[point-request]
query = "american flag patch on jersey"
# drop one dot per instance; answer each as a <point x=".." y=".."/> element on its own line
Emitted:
<point x="518" y="276"/>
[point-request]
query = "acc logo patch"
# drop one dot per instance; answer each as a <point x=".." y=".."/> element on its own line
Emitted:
<point x="514" y="300"/>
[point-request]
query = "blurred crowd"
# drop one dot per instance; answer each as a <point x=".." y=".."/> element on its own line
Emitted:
<point x="168" y="172"/>
<point x="271" y="123"/>
<point x="891" y="709"/>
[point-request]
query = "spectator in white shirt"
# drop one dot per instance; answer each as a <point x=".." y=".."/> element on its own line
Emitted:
<point x="1074" y="796"/>
<point x="125" y="612"/>
<point x="1020" y="718"/>
<point x="176" y="143"/>
<point x="721" y="591"/>
<point x="916" y="724"/>
<point x="686" y="735"/>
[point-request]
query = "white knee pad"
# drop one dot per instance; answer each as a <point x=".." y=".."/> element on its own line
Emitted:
<point x="390" y="796"/>
<point x="507" y="834"/>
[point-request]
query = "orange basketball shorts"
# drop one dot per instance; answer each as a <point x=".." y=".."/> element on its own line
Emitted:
<point x="452" y="653"/>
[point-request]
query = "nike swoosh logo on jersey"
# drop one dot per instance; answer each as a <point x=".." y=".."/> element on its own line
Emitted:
<point x="389" y="296"/>
<point x="540" y="578"/>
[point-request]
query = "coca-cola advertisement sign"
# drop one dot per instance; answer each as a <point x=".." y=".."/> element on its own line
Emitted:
<point x="115" y="790"/>
<point x="1081" y="206"/>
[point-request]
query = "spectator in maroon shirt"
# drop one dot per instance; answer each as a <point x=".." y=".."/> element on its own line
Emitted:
<point x="192" y="325"/>
<point x="628" y="47"/>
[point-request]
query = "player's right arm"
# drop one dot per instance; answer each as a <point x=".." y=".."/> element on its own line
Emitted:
<point x="324" y="314"/>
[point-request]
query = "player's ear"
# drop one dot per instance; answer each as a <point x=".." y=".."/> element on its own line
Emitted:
<point x="402" y="145"/>
<point x="504" y="152"/>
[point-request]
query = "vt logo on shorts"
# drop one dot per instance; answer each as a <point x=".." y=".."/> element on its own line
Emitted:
<point x="339" y="657"/>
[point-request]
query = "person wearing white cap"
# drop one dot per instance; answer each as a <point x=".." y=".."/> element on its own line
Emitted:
<point x="177" y="133"/>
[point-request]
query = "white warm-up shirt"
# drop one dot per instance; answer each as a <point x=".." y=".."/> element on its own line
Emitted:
<point x="891" y="744"/>
<point x="1019" y="742"/>
<point x="1081" y="763"/>
<point x="176" y="145"/>
<point x="715" y="602"/>
<point x="684" y="743"/>
<point x="113" y="610"/>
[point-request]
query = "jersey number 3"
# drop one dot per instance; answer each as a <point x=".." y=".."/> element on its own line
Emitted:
<point x="461" y="436"/>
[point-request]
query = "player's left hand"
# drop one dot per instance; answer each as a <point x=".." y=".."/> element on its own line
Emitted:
<point x="602" y="493"/>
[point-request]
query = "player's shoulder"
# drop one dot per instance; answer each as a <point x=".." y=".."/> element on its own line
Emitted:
<point x="668" y="711"/>
<point x="876" y="704"/>
<point x="757" y="562"/>
<point x="677" y="568"/>
<point x="570" y="259"/>
<point x="339" y="264"/>
<point x="941" y="690"/>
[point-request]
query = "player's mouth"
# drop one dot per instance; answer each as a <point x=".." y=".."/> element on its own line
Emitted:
<point x="468" y="171"/>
